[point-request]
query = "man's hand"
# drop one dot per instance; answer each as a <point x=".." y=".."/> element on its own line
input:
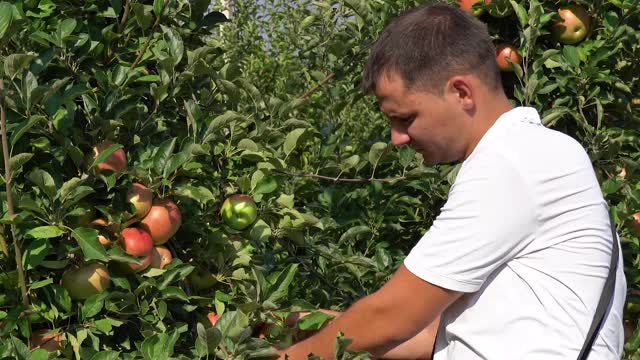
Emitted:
<point x="402" y="308"/>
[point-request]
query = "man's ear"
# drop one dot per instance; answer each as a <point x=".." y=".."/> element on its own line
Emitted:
<point x="461" y="89"/>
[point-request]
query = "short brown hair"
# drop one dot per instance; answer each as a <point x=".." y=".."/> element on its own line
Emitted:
<point x="429" y="44"/>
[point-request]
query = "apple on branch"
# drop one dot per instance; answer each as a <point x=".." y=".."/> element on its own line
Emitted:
<point x="162" y="221"/>
<point x="86" y="281"/>
<point x="573" y="27"/>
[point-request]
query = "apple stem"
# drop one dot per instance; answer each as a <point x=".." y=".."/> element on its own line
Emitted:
<point x="7" y="170"/>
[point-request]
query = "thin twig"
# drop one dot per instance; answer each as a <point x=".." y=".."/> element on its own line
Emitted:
<point x="125" y="17"/>
<point x="146" y="44"/>
<point x="7" y="171"/>
<point x="315" y="88"/>
<point x="361" y="180"/>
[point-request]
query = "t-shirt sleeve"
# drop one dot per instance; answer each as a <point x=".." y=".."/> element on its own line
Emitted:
<point x="488" y="218"/>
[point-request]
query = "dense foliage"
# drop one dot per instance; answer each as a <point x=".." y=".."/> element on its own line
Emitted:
<point x="267" y="104"/>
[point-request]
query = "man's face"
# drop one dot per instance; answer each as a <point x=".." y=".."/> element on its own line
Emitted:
<point x="432" y="125"/>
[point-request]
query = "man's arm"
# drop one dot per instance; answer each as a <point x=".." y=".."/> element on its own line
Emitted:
<point x="418" y="347"/>
<point x="402" y="308"/>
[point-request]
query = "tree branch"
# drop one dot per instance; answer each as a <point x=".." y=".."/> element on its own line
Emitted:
<point x="360" y="180"/>
<point x="125" y="17"/>
<point x="146" y="44"/>
<point x="7" y="170"/>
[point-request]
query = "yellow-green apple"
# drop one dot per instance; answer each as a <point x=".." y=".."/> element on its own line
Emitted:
<point x="140" y="197"/>
<point x="504" y="52"/>
<point x="46" y="339"/>
<point x="573" y="27"/>
<point x="137" y="242"/>
<point x="160" y="257"/>
<point x="239" y="211"/>
<point x="86" y="281"/>
<point x="162" y="221"/>
<point x="201" y="279"/>
<point x="635" y="223"/>
<point x="116" y="162"/>
<point x="467" y="5"/>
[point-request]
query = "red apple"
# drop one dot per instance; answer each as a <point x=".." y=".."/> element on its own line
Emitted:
<point x="85" y="281"/>
<point x="46" y="339"/>
<point x="136" y="242"/>
<point x="213" y="318"/>
<point x="573" y="27"/>
<point x="141" y="198"/>
<point x="160" y="257"/>
<point x="116" y="162"/>
<point x="635" y="223"/>
<point x="162" y="221"/>
<point x="467" y="5"/>
<point x="504" y="52"/>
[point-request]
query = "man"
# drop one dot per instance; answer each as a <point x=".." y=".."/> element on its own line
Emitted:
<point x="515" y="263"/>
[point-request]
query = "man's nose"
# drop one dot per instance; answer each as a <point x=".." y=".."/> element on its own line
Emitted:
<point x="399" y="137"/>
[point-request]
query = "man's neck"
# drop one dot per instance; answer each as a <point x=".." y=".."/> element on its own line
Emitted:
<point x="485" y="117"/>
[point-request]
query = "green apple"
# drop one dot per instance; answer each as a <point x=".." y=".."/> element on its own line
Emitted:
<point x="239" y="211"/>
<point x="201" y="279"/>
<point x="86" y="281"/>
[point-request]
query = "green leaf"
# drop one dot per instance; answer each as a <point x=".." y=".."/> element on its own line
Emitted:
<point x="45" y="232"/>
<point x="17" y="161"/>
<point x="106" y="355"/>
<point x="232" y="324"/>
<point x="265" y="185"/>
<point x="571" y="55"/>
<point x="349" y="162"/>
<point x="88" y="241"/>
<point x="6" y="17"/>
<point x="376" y="152"/>
<point x="116" y="253"/>
<point x="280" y="288"/>
<point x="40" y="284"/>
<point x="35" y="253"/>
<point x="353" y="232"/>
<point x="178" y="273"/>
<point x="24" y="127"/>
<point x="175" y="44"/>
<point x="176" y="161"/>
<point x="15" y="63"/>
<point x="40" y="354"/>
<point x="314" y="321"/>
<point x="65" y="28"/>
<point x="197" y="193"/>
<point x="260" y="232"/>
<point x="157" y="7"/>
<point x="163" y="153"/>
<point x="44" y="181"/>
<point x="174" y="292"/>
<point x="106" y="153"/>
<point x="291" y="141"/>
<point x="67" y="187"/>
<point x="93" y="305"/>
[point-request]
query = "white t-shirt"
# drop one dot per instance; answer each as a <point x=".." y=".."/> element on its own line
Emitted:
<point x="525" y="235"/>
